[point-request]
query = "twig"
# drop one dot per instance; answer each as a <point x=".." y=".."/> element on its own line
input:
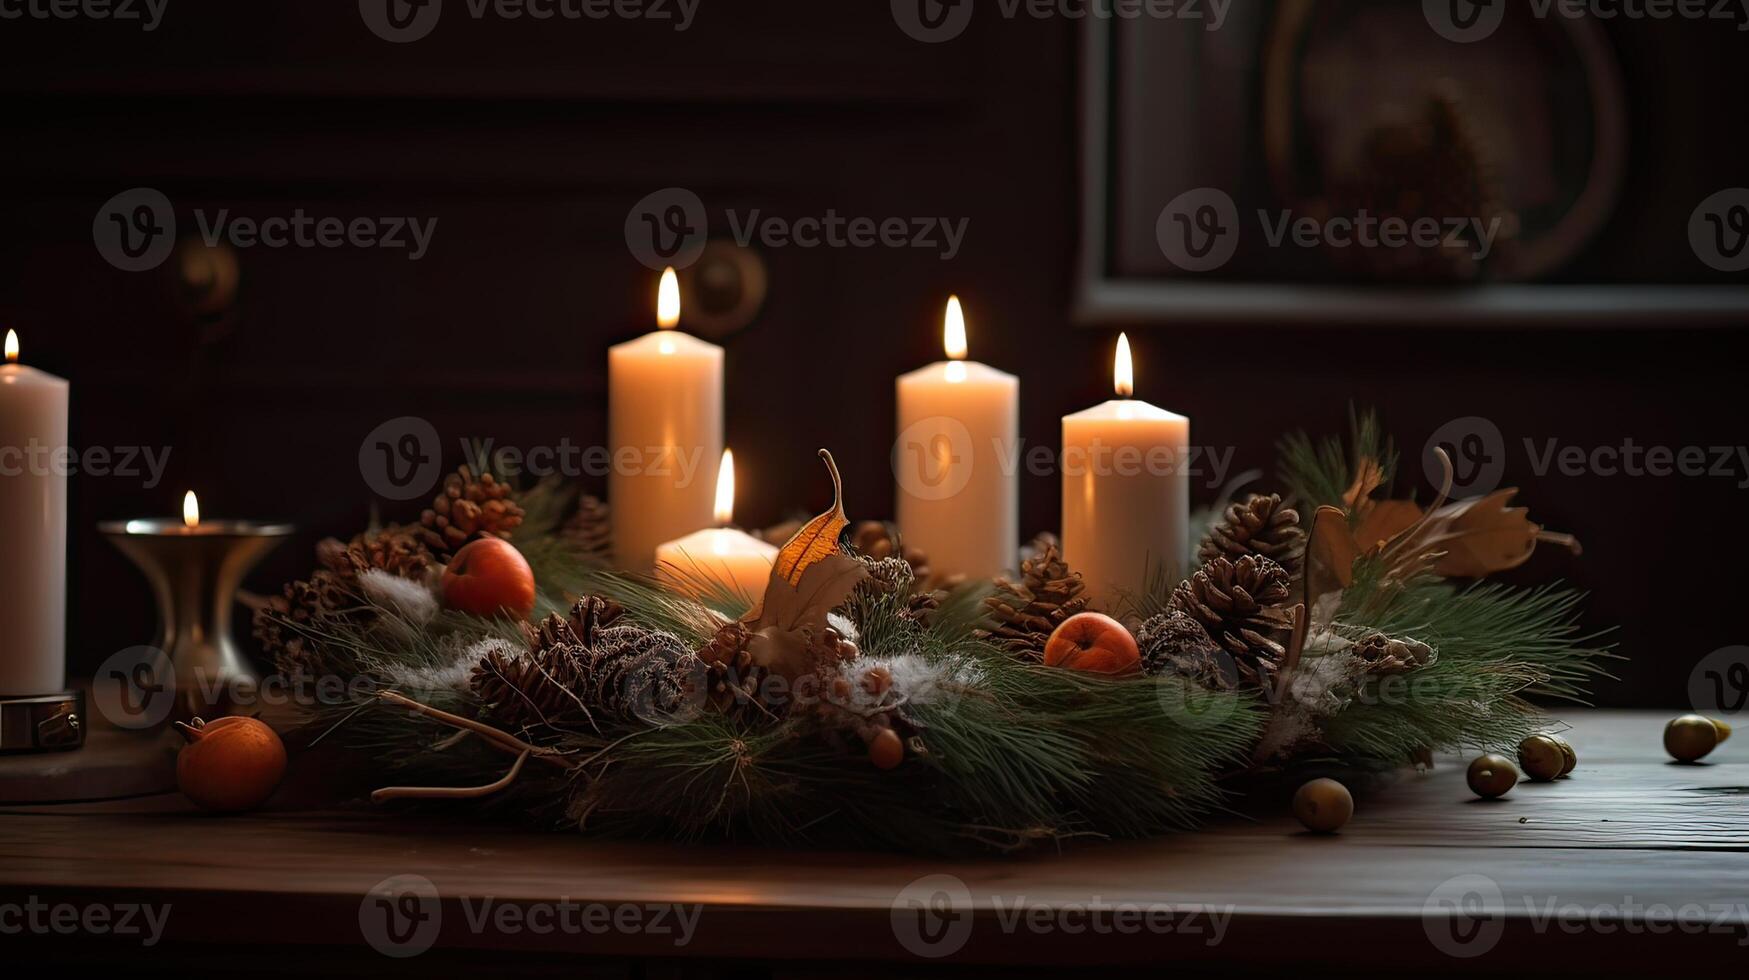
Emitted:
<point x="496" y="736"/>
<point x="449" y="792"/>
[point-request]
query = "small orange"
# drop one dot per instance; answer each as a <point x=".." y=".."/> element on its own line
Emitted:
<point x="230" y="765"/>
<point x="1093" y="643"/>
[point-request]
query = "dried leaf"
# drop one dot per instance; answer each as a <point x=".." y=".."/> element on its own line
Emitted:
<point x="818" y="538"/>
<point x="1483" y="535"/>
<point x="1368" y="477"/>
<point x="792" y="615"/>
<point x="1383" y="521"/>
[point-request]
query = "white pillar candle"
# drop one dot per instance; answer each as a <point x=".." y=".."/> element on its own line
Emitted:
<point x="33" y="529"/>
<point x="665" y="425"/>
<point x="1126" y="491"/>
<point x="957" y="460"/>
<point x="719" y="559"/>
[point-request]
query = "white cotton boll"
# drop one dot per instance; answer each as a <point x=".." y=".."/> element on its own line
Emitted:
<point x="844" y="626"/>
<point x="404" y="599"/>
<point x="920" y="680"/>
<point x="454" y="671"/>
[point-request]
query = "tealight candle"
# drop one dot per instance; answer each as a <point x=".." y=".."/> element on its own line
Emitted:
<point x="665" y="424"/>
<point x="33" y="527"/>
<point x="719" y="559"/>
<point x="1126" y="490"/>
<point x="956" y="460"/>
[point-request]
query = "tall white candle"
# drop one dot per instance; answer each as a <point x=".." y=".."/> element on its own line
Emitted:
<point x="33" y="528"/>
<point x="957" y="460"/>
<point x="1126" y="490"/>
<point x="665" y="428"/>
<point x="719" y="559"/>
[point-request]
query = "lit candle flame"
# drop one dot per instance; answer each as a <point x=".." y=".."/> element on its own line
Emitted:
<point x="726" y="488"/>
<point x="668" y="300"/>
<point x="1124" y="371"/>
<point x="953" y="333"/>
<point x="12" y="347"/>
<point x="190" y="510"/>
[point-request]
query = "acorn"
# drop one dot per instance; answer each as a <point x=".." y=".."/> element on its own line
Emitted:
<point x="886" y="750"/>
<point x="1491" y="776"/>
<point x="1691" y="737"/>
<point x="1542" y="758"/>
<point x="1323" y="805"/>
<point x="1571" y="758"/>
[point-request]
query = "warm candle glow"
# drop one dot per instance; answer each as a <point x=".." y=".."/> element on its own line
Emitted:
<point x="954" y="330"/>
<point x="191" y="510"/>
<point x="726" y="488"/>
<point x="1124" y="372"/>
<point x="12" y="347"/>
<point x="668" y="300"/>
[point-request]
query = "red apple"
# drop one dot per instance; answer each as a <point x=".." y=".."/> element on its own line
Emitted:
<point x="487" y="578"/>
<point x="1093" y="643"/>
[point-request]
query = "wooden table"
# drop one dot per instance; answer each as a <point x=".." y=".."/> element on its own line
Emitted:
<point x="1628" y="832"/>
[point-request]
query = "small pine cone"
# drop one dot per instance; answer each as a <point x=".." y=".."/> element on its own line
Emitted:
<point x="1027" y="612"/>
<point x="538" y="687"/>
<point x="645" y="675"/>
<point x="466" y="508"/>
<point x="1259" y="526"/>
<point x="400" y="551"/>
<point x="878" y="540"/>
<point x="284" y="626"/>
<point x="591" y="530"/>
<point x="728" y="646"/>
<point x="735" y="686"/>
<point x="592" y="614"/>
<point x="1391" y="655"/>
<point x="1174" y="644"/>
<point x="1240" y="604"/>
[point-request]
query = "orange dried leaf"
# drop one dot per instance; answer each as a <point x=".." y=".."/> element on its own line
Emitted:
<point x="1330" y="554"/>
<point x="818" y="538"/>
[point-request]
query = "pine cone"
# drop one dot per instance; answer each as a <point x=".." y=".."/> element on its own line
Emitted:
<point x="591" y="530"/>
<point x="1259" y="526"/>
<point x="465" y="508"/>
<point x="398" y="550"/>
<point x="284" y="625"/>
<point x="1174" y="644"/>
<point x="638" y="674"/>
<point x="1391" y="655"/>
<point x="1240" y="604"/>
<point x="735" y="686"/>
<point x="540" y="686"/>
<point x="1027" y="612"/>
<point x="878" y="540"/>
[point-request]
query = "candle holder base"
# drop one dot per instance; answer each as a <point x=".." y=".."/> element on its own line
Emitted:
<point x="45" y="723"/>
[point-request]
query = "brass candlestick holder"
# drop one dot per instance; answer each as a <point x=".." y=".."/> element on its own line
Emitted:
<point x="194" y="570"/>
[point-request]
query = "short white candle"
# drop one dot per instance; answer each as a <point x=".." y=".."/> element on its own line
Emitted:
<point x="719" y="559"/>
<point x="957" y="460"/>
<point x="33" y="528"/>
<point x="1126" y="490"/>
<point x="665" y="425"/>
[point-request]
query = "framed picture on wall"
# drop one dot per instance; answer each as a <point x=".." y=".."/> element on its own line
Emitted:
<point x="1297" y="160"/>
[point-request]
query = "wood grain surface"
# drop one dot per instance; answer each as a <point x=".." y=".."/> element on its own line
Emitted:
<point x="1555" y="877"/>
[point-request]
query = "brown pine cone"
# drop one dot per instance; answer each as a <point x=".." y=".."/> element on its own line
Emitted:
<point x="1391" y="655"/>
<point x="1259" y="526"/>
<point x="1027" y="612"/>
<point x="538" y="687"/>
<point x="1174" y="644"/>
<point x="285" y="625"/>
<point x="1240" y="604"/>
<point x="467" y="507"/>
<point x="879" y="539"/>
<point x="398" y="550"/>
<point x="735" y="686"/>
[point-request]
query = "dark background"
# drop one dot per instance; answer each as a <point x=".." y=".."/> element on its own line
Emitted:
<point x="529" y="141"/>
